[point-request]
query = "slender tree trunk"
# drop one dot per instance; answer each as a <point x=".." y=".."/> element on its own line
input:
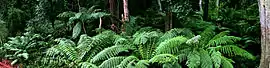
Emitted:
<point x="205" y="11"/>
<point x="168" y="22"/>
<point x="264" y="7"/>
<point x="125" y="18"/>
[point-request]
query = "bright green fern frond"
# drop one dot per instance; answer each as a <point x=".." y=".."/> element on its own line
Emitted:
<point x="147" y="42"/>
<point x="226" y="63"/>
<point x="110" y="52"/>
<point x="87" y="65"/>
<point x="171" y="46"/>
<point x="176" y="32"/>
<point x="225" y="40"/>
<point x="164" y="58"/>
<point x="233" y="50"/>
<point x="216" y="58"/>
<point x="112" y="62"/>
<point x="221" y="34"/>
<point x="206" y="61"/>
<point x="193" y="59"/>
<point x="126" y="61"/>
<point x="69" y="51"/>
<point x="142" y="64"/>
<point x="207" y="35"/>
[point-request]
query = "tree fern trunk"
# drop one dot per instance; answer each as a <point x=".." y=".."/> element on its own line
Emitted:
<point x="264" y="7"/>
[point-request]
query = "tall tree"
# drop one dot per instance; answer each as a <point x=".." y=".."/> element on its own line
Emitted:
<point x="264" y="8"/>
<point x="125" y="17"/>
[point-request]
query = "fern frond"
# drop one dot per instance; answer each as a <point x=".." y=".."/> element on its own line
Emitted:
<point x="142" y="64"/>
<point x="207" y="35"/>
<point x="164" y="58"/>
<point x="233" y="50"/>
<point x="193" y="59"/>
<point x="182" y="57"/>
<point x="110" y="52"/>
<point x="216" y="58"/>
<point x="112" y="62"/>
<point x="87" y="65"/>
<point x="226" y="63"/>
<point x="147" y="42"/>
<point x="171" y="46"/>
<point x="66" y="14"/>
<point x="221" y="34"/>
<point x="176" y="32"/>
<point x="206" y="61"/>
<point x="69" y="51"/>
<point x="225" y="40"/>
<point x="169" y="65"/>
<point x="126" y="61"/>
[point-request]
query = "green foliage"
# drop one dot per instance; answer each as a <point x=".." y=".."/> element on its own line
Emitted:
<point x="27" y="48"/>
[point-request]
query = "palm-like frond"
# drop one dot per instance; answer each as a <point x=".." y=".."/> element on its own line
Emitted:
<point x="87" y="65"/>
<point x="207" y="35"/>
<point x="176" y="32"/>
<point x="142" y="64"/>
<point x="147" y="42"/>
<point x="164" y="58"/>
<point x="225" y="40"/>
<point x="216" y="58"/>
<point x="171" y="46"/>
<point x="112" y="62"/>
<point x="110" y="52"/>
<point x="233" y="50"/>
<point x="126" y="61"/>
<point x="206" y="61"/>
<point x="226" y="63"/>
<point x="193" y="59"/>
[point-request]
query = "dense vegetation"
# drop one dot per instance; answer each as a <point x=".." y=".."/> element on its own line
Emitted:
<point x="157" y="34"/>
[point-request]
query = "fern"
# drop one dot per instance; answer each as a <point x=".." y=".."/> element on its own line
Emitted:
<point x="226" y="63"/>
<point x="142" y="64"/>
<point x="176" y="32"/>
<point x="233" y="50"/>
<point x="206" y="61"/>
<point x="110" y="52"/>
<point x="225" y="40"/>
<point x="164" y="58"/>
<point x="171" y="46"/>
<point x="112" y="62"/>
<point x="126" y="61"/>
<point x="193" y="59"/>
<point x="87" y="65"/>
<point x="216" y="58"/>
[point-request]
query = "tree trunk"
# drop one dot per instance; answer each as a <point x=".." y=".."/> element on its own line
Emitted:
<point x="264" y="6"/>
<point x="126" y="14"/>
<point x="205" y="11"/>
<point x="168" y="21"/>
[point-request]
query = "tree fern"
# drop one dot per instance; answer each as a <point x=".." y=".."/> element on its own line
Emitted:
<point x="233" y="50"/>
<point x="225" y="40"/>
<point x="112" y="62"/>
<point x="87" y="65"/>
<point x="164" y="58"/>
<point x="176" y="32"/>
<point x="126" y="61"/>
<point x="171" y="46"/>
<point x="193" y="60"/>
<point x="142" y="64"/>
<point x="206" y="61"/>
<point x="110" y="52"/>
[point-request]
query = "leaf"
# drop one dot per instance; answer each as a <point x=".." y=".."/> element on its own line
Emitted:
<point x="14" y="62"/>
<point x="24" y="55"/>
<point x="76" y="30"/>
